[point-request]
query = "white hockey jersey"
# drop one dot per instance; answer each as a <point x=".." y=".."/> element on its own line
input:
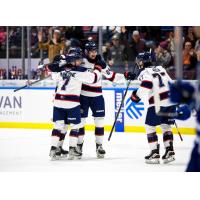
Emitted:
<point x="69" y="88"/>
<point x="95" y="89"/>
<point x="154" y="81"/>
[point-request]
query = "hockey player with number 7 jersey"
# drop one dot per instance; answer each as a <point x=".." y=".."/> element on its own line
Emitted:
<point x="67" y="101"/>
<point x="155" y="81"/>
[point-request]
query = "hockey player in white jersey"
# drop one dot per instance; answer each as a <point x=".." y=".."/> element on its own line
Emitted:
<point x="91" y="97"/>
<point x="59" y="64"/>
<point x="67" y="101"/>
<point x="155" y="81"/>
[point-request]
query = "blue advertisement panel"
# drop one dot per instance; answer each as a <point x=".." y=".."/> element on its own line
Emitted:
<point x="119" y="126"/>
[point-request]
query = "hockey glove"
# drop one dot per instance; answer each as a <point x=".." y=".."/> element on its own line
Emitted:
<point x="100" y="62"/>
<point x="182" y="92"/>
<point x="129" y="75"/>
<point x="134" y="97"/>
<point x="183" y="112"/>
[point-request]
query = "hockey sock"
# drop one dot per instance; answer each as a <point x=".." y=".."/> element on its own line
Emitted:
<point x="55" y="136"/>
<point x="152" y="140"/>
<point x="61" y="140"/>
<point x="167" y="138"/>
<point x="73" y="137"/>
<point x="81" y="135"/>
<point x="99" y="134"/>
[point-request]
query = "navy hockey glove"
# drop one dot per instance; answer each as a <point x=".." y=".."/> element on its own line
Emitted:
<point x="100" y="62"/>
<point x="134" y="97"/>
<point x="129" y="75"/>
<point x="182" y="92"/>
<point x="183" y="112"/>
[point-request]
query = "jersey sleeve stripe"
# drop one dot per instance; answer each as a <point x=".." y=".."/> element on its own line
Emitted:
<point x="163" y="96"/>
<point x="147" y="84"/>
<point x="112" y="78"/>
<point x="95" y="77"/>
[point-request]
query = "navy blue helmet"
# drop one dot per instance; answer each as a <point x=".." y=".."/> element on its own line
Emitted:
<point x="90" y="46"/>
<point x="72" y="57"/>
<point x="145" y="59"/>
<point x="77" y="50"/>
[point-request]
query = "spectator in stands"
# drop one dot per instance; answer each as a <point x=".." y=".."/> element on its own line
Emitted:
<point x="189" y="56"/>
<point x="197" y="45"/>
<point x="54" y="46"/>
<point x="2" y="37"/>
<point x="163" y="56"/>
<point x="171" y="44"/>
<point x="190" y="37"/>
<point x="2" y="74"/>
<point x="137" y="45"/>
<point x="116" y="55"/>
<point x="124" y="35"/>
<point x="74" y="36"/>
<point x="198" y="55"/>
<point x="105" y="50"/>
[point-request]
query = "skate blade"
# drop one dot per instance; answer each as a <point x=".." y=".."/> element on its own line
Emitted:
<point x="153" y="161"/>
<point x="54" y="158"/>
<point x="100" y="156"/>
<point x="168" y="160"/>
<point x="63" y="157"/>
<point x="78" y="157"/>
<point x="72" y="157"/>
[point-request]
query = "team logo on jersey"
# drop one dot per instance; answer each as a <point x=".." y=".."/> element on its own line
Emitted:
<point x="134" y="110"/>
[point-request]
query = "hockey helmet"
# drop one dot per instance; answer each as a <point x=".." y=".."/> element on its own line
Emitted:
<point x="90" y="46"/>
<point x="144" y="59"/>
<point x="72" y="57"/>
<point x="77" y="50"/>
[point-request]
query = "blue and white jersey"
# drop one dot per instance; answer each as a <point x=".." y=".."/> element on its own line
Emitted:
<point x="154" y="79"/>
<point x="69" y="87"/>
<point x="95" y="89"/>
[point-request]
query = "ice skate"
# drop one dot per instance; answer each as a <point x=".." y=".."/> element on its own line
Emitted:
<point x="153" y="157"/>
<point x="80" y="149"/>
<point x="169" y="155"/>
<point x="74" y="153"/>
<point x="63" y="153"/>
<point x="100" y="151"/>
<point x="55" y="153"/>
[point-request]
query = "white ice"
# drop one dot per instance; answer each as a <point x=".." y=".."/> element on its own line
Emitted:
<point x="28" y="149"/>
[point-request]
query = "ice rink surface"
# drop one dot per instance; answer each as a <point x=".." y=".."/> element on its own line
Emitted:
<point x="28" y="150"/>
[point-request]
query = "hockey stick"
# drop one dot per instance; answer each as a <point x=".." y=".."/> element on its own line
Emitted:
<point x="122" y="102"/>
<point x="178" y="131"/>
<point x="29" y="84"/>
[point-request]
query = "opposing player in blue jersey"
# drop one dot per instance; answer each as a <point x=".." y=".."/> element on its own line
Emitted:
<point x="185" y="94"/>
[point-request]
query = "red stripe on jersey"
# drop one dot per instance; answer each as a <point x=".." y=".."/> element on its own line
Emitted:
<point x="71" y="98"/>
<point x="112" y="78"/>
<point x="67" y="95"/>
<point x="95" y="77"/>
<point x="146" y="84"/>
<point x="163" y="96"/>
<point x="96" y="89"/>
